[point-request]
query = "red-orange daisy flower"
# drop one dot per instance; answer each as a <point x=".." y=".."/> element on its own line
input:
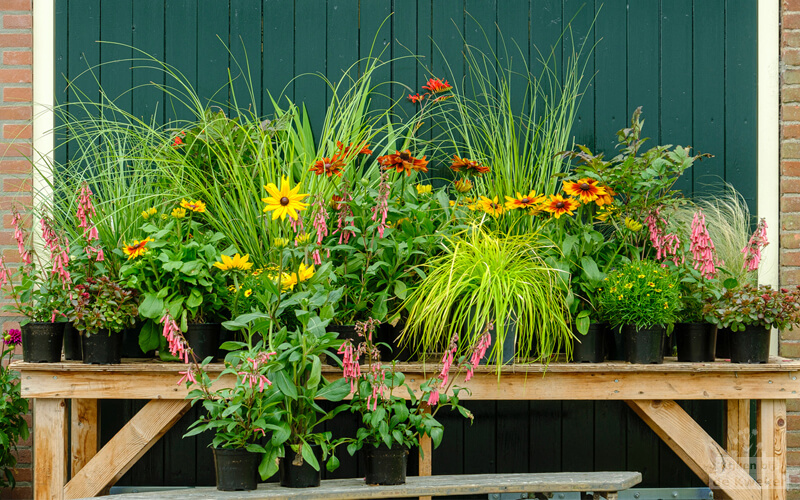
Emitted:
<point x="417" y="98"/>
<point x="437" y="86"/>
<point x="403" y="162"/>
<point x="587" y="189"/>
<point x="558" y="205"/>
<point x="328" y="166"/>
<point x="467" y="166"/>
<point x="363" y="148"/>
<point x="607" y="198"/>
<point x="522" y="201"/>
<point x="178" y="141"/>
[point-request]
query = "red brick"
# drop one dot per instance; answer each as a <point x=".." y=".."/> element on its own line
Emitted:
<point x="18" y="94"/>
<point x="21" y="201"/>
<point x="11" y="255"/>
<point x="7" y="238"/>
<point x="16" y="75"/>
<point x="18" y="185"/>
<point x="24" y="456"/>
<point x="790" y="94"/>
<point x="16" y="58"/>
<point x="793" y="439"/>
<point x="13" y="131"/>
<point x="792" y="259"/>
<point x="790" y="5"/>
<point x="19" y="493"/>
<point x="790" y="350"/>
<point x="790" y="185"/>
<point x="18" y="166"/>
<point x="790" y="168"/>
<point x="18" y="21"/>
<point x="791" y="56"/>
<point x="790" y="131"/>
<point x="18" y="148"/>
<point x="22" y="40"/>
<point x="790" y="38"/>
<point x="790" y="113"/>
<point x="15" y="5"/>
<point x="790" y="335"/>
<point x="791" y="20"/>
<point x="16" y="112"/>
<point x="792" y="494"/>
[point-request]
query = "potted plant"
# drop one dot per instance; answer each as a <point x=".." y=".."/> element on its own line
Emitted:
<point x="641" y="300"/>
<point x="483" y="278"/>
<point x="39" y="291"/>
<point x="13" y="407"/>
<point x="390" y="427"/>
<point x="173" y="269"/>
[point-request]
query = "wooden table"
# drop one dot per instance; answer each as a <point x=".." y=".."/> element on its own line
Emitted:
<point x="650" y="390"/>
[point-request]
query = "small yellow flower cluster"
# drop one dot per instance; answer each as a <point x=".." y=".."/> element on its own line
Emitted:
<point x="149" y="213"/>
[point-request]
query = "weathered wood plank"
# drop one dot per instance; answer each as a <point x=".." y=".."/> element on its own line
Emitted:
<point x="83" y="432"/>
<point x="703" y="455"/>
<point x="771" y="449"/>
<point x="124" y="449"/>
<point x="134" y="383"/>
<point x="738" y="432"/>
<point x="50" y="448"/>
<point x="470" y="484"/>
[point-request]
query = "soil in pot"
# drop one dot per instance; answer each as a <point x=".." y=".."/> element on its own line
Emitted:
<point x="299" y="476"/>
<point x="72" y="343"/>
<point x="697" y="342"/>
<point x="590" y="348"/>
<point x="343" y="332"/>
<point x="203" y="338"/>
<point x="237" y="469"/>
<point x="42" y="341"/>
<point x="102" y="348"/>
<point x="644" y="346"/>
<point x="384" y="465"/>
<point x="751" y="345"/>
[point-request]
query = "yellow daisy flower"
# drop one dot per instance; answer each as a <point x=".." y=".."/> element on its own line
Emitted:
<point x="305" y="273"/>
<point x="235" y="263"/>
<point x="195" y="206"/>
<point x="424" y="188"/>
<point x="283" y="201"/>
<point x="179" y="213"/>
<point x="248" y="292"/>
<point x="137" y="248"/>
<point x="149" y="213"/>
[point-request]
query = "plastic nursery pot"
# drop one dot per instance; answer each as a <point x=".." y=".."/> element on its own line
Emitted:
<point x="130" y="343"/>
<point x="509" y="346"/>
<point x="724" y="343"/>
<point x="102" y="348"/>
<point x="237" y="469"/>
<point x="299" y="476"/>
<point x="590" y="348"/>
<point x="41" y="342"/>
<point x="203" y="338"/>
<point x="644" y="346"/>
<point x="343" y="332"/>
<point x="388" y="345"/>
<point x="751" y="345"/>
<point x="384" y="465"/>
<point x="72" y="343"/>
<point x="697" y="342"/>
<point x="615" y="344"/>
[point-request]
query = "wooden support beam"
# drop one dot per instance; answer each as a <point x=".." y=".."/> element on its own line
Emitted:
<point x="695" y="447"/>
<point x="83" y="432"/>
<point x="738" y="432"/>
<point x="771" y="449"/>
<point x="425" y="457"/>
<point x="126" y="447"/>
<point x="50" y="448"/>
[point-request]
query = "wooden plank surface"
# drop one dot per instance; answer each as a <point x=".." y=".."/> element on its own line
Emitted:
<point x="738" y="431"/>
<point x="135" y="382"/>
<point x="124" y="449"/>
<point x="50" y="448"/>
<point x="476" y="484"/>
<point x="703" y="455"/>
<point x="771" y="449"/>
<point x="83" y="431"/>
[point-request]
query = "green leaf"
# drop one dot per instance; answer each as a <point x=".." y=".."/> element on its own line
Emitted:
<point x="400" y="290"/>
<point x="195" y="298"/>
<point x="316" y="373"/>
<point x="151" y="307"/>
<point x="308" y="456"/>
<point x="582" y="322"/>
<point x="333" y="463"/>
<point x="591" y="270"/>
<point x="285" y="385"/>
<point x="335" y="391"/>
<point x="149" y="336"/>
<point x="436" y="436"/>
<point x="269" y="464"/>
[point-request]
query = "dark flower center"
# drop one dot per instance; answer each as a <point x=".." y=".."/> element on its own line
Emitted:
<point x="405" y="156"/>
<point x="494" y="206"/>
<point x="327" y="166"/>
<point x="525" y="200"/>
<point x="560" y="205"/>
<point x="284" y="201"/>
<point x="585" y="186"/>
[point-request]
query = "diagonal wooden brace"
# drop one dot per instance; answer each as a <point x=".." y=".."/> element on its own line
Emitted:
<point x="697" y="449"/>
<point x="126" y="447"/>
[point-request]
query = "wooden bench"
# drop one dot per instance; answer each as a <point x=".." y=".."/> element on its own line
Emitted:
<point x="600" y="484"/>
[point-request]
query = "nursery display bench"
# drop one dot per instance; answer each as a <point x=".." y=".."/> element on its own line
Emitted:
<point x="650" y="390"/>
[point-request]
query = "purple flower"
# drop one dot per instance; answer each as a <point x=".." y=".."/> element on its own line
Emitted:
<point x="12" y="336"/>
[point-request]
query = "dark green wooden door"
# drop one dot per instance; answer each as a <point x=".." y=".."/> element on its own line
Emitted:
<point x="691" y="65"/>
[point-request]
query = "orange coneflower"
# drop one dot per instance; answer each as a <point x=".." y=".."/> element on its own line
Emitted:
<point x="436" y="86"/>
<point x="136" y="248"/>
<point x="363" y="148"/>
<point x="463" y="185"/>
<point x="607" y="198"/>
<point x="558" y="205"/>
<point x="530" y="200"/>
<point x="587" y="189"/>
<point x="467" y="166"/>
<point x="195" y="206"/>
<point x="328" y="166"/>
<point x="491" y="206"/>
<point x="403" y="162"/>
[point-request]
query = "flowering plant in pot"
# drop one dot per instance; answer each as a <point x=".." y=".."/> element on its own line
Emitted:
<point x="13" y="407"/>
<point x="390" y="426"/>
<point x="39" y="290"/>
<point x="641" y="300"/>
<point x="173" y="269"/>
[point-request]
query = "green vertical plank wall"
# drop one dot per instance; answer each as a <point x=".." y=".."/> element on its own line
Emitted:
<point x="690" y="64"/>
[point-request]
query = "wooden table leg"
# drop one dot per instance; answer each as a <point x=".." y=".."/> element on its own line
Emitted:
<point x="738" y="432"/>
<point x="425" y="458"/>
<point x="771" y="448"/>
<point x="83" y="432"/>
<point x="49" y="448"/>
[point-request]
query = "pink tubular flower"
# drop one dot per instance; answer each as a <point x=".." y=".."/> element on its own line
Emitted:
<point x="665" y="245"/>
<point x="479" y="352"/>
<point x="752" y="251"/>
<point x="702" y="247"/>
<point x="19" y="235"/>
<point x="176" y="342"/>
<point x="316" y="258"/>
<point x="382" y="203"/>
<point x="255" y="379"/>
<point x="58" y="253"/>
<point x="344" y="212"/>
<point x="350" y="365"/>
<point x="433" y="399"/>
<point x="188" y="376"/>
<point x="85" y="208"/>
<point x="320" y="221"/>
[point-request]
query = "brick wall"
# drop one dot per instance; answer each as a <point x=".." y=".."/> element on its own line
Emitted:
<point x="16" y="95"/>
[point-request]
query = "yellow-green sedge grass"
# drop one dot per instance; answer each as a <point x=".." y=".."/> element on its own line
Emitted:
<point x="480" y="277"/>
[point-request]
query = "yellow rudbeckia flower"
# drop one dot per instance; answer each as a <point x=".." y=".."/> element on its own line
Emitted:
<point x="235" y="263"/>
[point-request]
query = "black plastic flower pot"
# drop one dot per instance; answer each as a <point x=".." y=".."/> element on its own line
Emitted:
<point x="102" y="348"/>
<point x="42" y="341"/>
<point x="72" y="343"/>
<point x="130" y="344"/>
<point x="299" y="476"/>
<point x="724" y="343"/>
<point x="389" y="346"/>
<point x="203" y="338"/>
<point x="384" y="465"/>
<point x="644" y="346"/>
<point x="343" y="332"/>
<point x="697" y="342"/>
<point x="615" y="345"/>
<point x="237" y="469"/>
<point x="590" y="348"/>
<point x="509" y="345"/>
<point x="751" y="345"/>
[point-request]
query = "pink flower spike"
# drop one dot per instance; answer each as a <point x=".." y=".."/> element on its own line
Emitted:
<point x="433" y="399"/>
<point x="752" y="251"/>
<point x="188" y="376"/>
